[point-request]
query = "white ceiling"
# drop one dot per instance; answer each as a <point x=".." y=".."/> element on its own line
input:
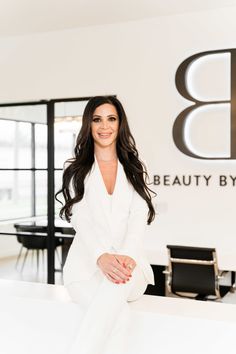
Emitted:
<point x="18" y="17"/>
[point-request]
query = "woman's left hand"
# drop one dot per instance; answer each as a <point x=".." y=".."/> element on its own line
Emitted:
<point x="126" y="261"/>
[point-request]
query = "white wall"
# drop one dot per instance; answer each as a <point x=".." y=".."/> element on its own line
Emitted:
<point x="137" y="61"/>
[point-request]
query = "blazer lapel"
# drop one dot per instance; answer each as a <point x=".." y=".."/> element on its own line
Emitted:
<point x="122" y="193"/>
<point x="98" y="199"/>
<point x="97" y="194"/>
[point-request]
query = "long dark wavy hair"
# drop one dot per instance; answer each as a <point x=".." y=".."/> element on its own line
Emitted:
<point x="80" y="165"/>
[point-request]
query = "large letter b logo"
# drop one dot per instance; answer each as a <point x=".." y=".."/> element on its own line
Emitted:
<point x="181" y="120"/>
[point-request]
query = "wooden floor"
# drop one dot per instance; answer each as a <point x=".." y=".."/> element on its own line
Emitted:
<point x="8" y="269"/>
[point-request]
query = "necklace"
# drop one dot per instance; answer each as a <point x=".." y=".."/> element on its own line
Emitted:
<point x="100" y="160"/>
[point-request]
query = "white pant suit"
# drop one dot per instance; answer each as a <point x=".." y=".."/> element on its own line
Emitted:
<point x="113" y="224"/>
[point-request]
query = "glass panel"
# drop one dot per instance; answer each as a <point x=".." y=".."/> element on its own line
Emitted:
<point x="7" y="129"/>
<point x="22" y="145"/>
<point x="68" y="120"/>
<point x="58" y="183"/>
<point x="23" y="194"/>
<point x="15" y="194"/>
<point x="70" y="109"/>
<point x="64" y="145"/>
<point x="40" y="145"/>
<point x="41" y="192"/>
<point x="34" y="114"/>
<point x="15" y="144"/>
<point x="17" y="151"/>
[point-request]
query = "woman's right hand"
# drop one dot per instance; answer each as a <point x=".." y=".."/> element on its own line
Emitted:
<point x="112" y="269"/>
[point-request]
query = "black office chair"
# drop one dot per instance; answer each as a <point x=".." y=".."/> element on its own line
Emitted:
<point x="34" y="243"/>
<point x="193" y="272"/>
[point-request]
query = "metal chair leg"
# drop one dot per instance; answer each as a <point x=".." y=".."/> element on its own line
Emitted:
<point x="43" y="258"/>
<point x="32" y="258"/>
<point x="37" y="261"/>
<point x="19" y="255"/>
<point x="26" y="254"/>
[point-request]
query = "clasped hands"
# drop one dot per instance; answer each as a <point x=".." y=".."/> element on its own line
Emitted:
<point x="116" y="267"/>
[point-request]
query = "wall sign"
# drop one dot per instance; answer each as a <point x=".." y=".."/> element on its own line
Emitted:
<point x="180" y="131"/>
<point x="181" y="80"/>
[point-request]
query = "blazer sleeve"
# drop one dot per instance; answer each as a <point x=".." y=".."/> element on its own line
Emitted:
<point x="85" y="230"/>
<point x="87" y="233"/>
<point x="136" y="227"/>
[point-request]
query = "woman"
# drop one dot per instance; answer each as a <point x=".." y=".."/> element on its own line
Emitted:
<point x="108" y="204"/>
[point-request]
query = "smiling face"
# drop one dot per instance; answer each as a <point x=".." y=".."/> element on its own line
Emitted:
<point x="105" y="125"/>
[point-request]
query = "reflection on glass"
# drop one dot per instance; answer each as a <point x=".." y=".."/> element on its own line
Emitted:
<point x="22" y="145"/>
<point x="68" y="120"/>
<point x="15" y="194"/>
<point x="41" y="192"/>
<point x="64" y="144"/>
<point x="40" y="145"/>
<point x="58" y="183"/>
<point x="15" y="144"/>
<point x="33" y="114"/>
<point x="17" y="127"/>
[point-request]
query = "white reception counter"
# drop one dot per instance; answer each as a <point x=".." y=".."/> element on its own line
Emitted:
<point x="41" y="319"/>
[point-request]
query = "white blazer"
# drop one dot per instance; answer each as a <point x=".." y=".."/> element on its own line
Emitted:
<point x="99" y="229"/>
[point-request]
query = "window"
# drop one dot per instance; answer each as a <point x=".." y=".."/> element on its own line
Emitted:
<point x="23" y="157"/>
<point x="23" y="131"/>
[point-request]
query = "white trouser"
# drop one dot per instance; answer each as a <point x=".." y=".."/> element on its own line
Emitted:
<point x="103" y="329"/>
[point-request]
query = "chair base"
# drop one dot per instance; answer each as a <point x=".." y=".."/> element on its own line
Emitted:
<point x="37" y="253"/>
<point x="203" y="297"/>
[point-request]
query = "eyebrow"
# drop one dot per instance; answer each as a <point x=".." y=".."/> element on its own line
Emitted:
<point x="110" y="115"/>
